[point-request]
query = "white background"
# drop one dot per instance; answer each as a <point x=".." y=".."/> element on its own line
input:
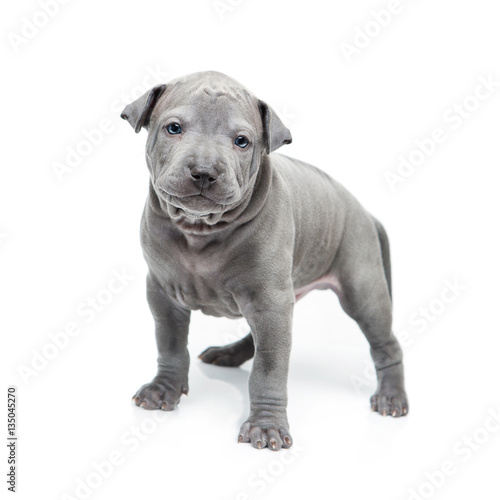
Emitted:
<point x="61" y="239"/>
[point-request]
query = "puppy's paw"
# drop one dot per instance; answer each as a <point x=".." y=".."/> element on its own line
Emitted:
<point x="390" y="398"/>
<point x="261" y="435"/>
<point x="160" y="394"/>
<point x="394" y="403"/>
<point x="224" y="356"/>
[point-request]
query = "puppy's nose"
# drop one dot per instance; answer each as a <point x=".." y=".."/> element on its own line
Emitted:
<point x="200" y="174"/>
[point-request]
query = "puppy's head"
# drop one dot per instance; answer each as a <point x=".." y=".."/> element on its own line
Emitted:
<point x="206" y="138"/>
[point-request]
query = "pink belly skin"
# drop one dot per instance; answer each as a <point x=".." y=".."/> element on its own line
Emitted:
<point x="323" y="283"/>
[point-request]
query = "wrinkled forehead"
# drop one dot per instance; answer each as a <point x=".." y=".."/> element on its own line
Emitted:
<point x="215" y="105"/>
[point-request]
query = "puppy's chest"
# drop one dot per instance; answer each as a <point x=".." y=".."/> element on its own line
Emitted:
<point x="193" y="278"/>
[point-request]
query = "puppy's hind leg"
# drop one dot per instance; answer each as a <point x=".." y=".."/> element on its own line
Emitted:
<point x="366" y="297"/>
<point x="234" y="354"/>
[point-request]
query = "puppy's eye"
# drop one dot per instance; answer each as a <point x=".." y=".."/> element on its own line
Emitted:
<point x="241" y="141"/>
<point x="174" y="128"/>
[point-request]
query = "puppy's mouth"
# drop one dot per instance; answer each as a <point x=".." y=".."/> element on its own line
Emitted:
<point x="196" y="206"/>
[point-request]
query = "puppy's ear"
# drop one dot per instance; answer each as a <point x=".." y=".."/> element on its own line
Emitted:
<point x="138" y="112"/>
<point x="275" y="133"/>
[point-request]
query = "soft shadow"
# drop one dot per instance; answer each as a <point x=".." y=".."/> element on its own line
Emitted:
<point x="237" y="377"/>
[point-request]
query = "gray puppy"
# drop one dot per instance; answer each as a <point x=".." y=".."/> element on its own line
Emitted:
<point x="234" y="230"/>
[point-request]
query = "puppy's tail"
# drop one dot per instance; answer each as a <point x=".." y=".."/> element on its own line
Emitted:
<point x="386" y="253"/>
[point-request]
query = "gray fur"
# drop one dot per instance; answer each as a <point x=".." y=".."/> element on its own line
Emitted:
<point x="246" y="232"/>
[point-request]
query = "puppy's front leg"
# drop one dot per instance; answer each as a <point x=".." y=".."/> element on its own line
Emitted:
<point x="270" y="319"/>
<point x="171" y="329"/>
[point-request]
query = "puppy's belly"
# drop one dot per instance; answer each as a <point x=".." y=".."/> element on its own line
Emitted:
<point x="327" y="282"/>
